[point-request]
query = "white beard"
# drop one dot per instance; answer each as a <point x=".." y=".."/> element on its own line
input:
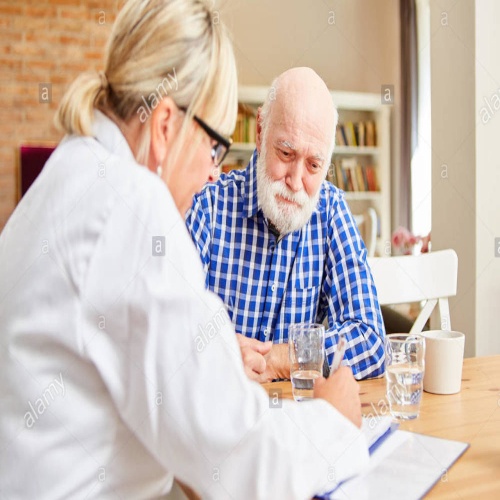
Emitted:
<point x="286" y="217"/>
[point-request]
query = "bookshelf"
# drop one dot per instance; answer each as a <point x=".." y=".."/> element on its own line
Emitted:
<point x="368" y="181"/>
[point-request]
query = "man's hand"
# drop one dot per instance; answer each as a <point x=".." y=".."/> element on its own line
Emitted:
<point x="342" y="391"/>
<point x="278" y="364"/>
<point x="252" y="353"/>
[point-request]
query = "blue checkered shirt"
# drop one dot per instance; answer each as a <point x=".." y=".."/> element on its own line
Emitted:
<point x="266" y="284"/>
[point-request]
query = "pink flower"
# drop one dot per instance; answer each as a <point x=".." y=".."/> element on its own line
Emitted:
<point x="400" y="236"/>
<point x="426" y="240"/>
<point x="397" y="239"/>
<point x="403" y="241"/>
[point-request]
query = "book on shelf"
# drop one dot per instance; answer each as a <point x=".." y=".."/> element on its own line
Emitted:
<point x="351" y="134"/>
<point x="355" y="134"/>
<point x="370" y="134"/>
<point x="227" y="167"/>
<point x="371" y="178"/>
<point x="245" y="124"/>
<point x="360" y="133"/>
<point x="350" y="176"/>
<point x="340" y="136"/>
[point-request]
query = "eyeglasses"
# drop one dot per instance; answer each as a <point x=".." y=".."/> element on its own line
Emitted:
<point x="222" y="144"/>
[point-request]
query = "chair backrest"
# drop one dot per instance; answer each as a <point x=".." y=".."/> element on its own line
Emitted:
<point x="412" y="278"/>
<point x="367" y="225"/>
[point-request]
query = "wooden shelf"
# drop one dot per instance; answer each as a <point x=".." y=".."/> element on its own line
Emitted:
<point x="362" y="195"/>
<point x="356" y="150"/>
<point x="242" y="146"/>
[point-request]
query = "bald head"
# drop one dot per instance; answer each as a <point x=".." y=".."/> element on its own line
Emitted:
<point x="302" y="89"/>
<point x="300" y="98"/>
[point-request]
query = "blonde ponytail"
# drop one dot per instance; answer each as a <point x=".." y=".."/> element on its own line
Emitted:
<point x="76" y="110"/>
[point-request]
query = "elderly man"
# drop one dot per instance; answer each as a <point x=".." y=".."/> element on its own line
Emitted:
<point x="278" y="242"/>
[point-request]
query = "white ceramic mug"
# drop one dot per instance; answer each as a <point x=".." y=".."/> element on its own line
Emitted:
<point x="444" y="355"/>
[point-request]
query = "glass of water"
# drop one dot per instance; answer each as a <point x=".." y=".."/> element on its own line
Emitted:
<point x="404" y="358"/>
<point x="306" y="343"/>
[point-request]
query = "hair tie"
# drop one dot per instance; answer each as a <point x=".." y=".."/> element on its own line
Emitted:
<point x="104" y="80"/>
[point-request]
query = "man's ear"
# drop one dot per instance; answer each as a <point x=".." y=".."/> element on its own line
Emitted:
<point x="163" y="129"/>
<point x="258" y="135"/>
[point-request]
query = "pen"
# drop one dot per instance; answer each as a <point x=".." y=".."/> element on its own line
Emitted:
<point x="339" y="355"/>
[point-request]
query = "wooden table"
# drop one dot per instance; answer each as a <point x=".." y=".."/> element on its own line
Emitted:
<point x="472" y="416"/>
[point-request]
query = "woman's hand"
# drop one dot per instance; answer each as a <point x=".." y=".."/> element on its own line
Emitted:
<point x="342" y="391"/>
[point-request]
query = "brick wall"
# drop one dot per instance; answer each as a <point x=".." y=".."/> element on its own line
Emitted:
<point x="42" y="42"/>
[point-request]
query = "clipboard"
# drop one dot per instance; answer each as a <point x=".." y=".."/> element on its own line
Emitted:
<point x="405" y="465"/>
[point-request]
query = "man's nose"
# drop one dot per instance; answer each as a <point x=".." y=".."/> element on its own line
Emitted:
<point x="294" y="177"/>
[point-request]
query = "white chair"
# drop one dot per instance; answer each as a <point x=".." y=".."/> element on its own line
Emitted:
<point x="413" y="278"/>
<point x="367" y="225"/>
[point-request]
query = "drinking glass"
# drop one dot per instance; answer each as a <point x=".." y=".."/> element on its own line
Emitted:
<point x="306" y="343"/>
<point x="404" y="374"/>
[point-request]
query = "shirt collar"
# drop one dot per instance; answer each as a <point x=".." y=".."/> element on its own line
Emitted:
<point x="107" y="133"/>
<point x="250" y="198"/>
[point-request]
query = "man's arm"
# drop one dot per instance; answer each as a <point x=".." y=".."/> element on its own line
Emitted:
<point x="349" y="298"/>
<point x="198" y="223"/>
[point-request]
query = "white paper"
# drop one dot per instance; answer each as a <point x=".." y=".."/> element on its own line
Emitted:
<point x="406" y="465"/>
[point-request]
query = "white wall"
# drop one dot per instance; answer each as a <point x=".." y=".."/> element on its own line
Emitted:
<point x="359" y="51"/>
<point x="465" y="203"/>
<point x="487" y="176"/>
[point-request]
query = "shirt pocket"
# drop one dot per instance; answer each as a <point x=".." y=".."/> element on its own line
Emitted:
<point x="302" y="304"/>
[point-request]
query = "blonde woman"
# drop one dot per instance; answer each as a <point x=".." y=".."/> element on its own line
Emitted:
<point x="118" y="370"/>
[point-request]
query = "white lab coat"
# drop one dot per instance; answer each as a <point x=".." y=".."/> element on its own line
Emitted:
<point x="118" y="369"/>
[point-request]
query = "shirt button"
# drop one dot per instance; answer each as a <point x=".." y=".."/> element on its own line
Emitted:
<point x="271" y="246"/>
<point x="273" y="287"/>
<point x="266" y="332"/>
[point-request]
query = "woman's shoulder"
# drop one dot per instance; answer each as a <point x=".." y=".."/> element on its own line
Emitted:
<point x="115" y="176"/>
